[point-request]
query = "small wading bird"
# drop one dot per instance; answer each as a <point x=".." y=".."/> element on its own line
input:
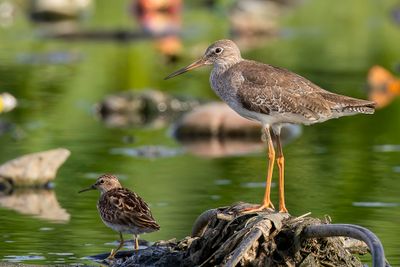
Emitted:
<point x="272" y="96"/>
<point x="122" y="210"/>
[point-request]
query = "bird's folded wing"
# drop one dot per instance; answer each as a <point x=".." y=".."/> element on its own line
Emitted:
<point x="267" y="89"/>
<point x="129" y="208"/>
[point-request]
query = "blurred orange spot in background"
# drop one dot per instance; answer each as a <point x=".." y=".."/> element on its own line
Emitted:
<point x="383" y="86"/>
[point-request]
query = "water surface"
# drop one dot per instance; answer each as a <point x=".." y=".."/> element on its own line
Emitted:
<point x="346" y="168"/>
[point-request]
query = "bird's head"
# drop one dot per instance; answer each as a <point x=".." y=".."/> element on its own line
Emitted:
<point x="222" y="53"/>
<point x="104" y="183"/>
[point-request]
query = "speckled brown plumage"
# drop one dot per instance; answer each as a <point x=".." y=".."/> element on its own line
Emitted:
<point x="122" y="210"/>
<point x="272" y="96"/>
<point x="267" y="89"/>
<point x="123" y="207"/>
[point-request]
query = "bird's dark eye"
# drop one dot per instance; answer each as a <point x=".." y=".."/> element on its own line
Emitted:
<point x="102" y="181"/>
<point x="218" y="50"/>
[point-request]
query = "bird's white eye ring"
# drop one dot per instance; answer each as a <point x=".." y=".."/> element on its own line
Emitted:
<point x="218" y="50"/>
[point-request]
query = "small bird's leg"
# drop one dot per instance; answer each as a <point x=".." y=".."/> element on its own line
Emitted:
<point x="136" y="247"/>
<point x="281" y="166"/>
<point x="114" y="251"/>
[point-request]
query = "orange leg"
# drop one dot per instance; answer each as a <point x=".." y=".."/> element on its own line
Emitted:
<point x="271" y="158"/>
<point x="281" y="166"/>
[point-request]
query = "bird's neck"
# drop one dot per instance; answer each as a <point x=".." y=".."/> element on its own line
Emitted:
<point x="222" y="66"/>
<point x="105" y="190"/>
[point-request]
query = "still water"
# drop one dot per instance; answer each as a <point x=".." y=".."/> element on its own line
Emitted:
<point x="347" y="168"/>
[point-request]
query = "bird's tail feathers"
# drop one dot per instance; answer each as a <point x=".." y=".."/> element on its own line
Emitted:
<point x="354" y="105"/>
<point x="365" y="109"/>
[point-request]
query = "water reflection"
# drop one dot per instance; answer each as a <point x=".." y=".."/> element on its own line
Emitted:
<point x="375" y="204"/>
<point x="214" y="147"/>
<point x="331" y="166"/>
<point x="150" y="108"/>
<point x="40" y="203"/>
<point x="20" y="258"/>
<point x="215" y="130"/>
<point x="147" y="151"/>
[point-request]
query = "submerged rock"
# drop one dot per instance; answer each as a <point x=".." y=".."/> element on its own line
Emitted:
<point x="36" y="169"/>
<point x="215" y="119"/>
<point x="55" y="10"/>
<point x="149" y="107"/>
<point x="215" y="130"/>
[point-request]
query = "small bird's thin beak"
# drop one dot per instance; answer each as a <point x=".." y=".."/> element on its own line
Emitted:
<point x="196" y="64"/>
<point x="87" y="189"/>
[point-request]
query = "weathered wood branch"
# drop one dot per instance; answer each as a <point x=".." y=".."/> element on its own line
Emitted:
<point x="353" y="231"/>
<point x="228" y="237"/>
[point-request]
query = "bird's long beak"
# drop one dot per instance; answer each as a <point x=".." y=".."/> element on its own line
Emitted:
<point x="196" y="64"/>
<point x="92" y="187"/>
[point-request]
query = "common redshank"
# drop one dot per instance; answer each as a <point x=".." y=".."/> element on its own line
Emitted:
<point x="122" y="210"/>
<point x="272" y="96"/>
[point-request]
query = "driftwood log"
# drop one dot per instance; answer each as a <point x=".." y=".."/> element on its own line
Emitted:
<point x="227" y="237"/>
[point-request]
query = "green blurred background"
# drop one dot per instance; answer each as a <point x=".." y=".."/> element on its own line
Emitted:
<point x="329" y="168"/>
